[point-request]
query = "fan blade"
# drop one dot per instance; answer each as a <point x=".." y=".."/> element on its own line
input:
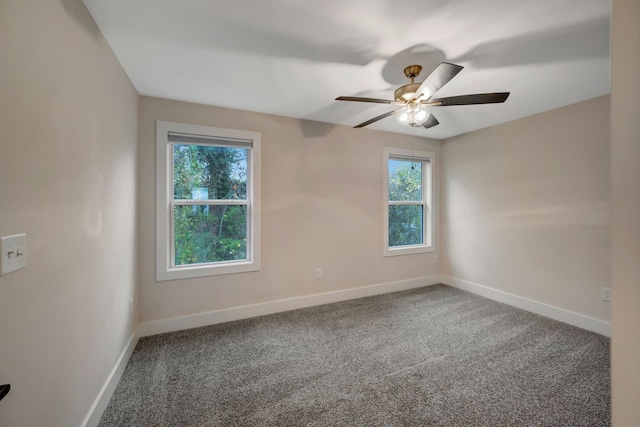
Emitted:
<point x="478" y="98"/>
<point x="357" y="99"/>
<point x="431" y="122"/>
<point x="375" y="119"/>
<point x="438" y="78"/>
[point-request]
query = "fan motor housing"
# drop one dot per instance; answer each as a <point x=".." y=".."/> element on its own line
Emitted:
<point x="406" y="92"/>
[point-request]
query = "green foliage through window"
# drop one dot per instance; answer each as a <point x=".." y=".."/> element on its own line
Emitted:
<point x="405" y="180"/>
<point x="406" y="221"/>
<point x="212" y="230"/>
<point x="210" y="233"/>
<point x="211" y="172"/>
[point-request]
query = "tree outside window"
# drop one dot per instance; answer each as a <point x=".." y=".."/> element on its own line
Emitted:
<point x="408" y="198"/>
<point x="207" y="201"/>
<point x="208" y="229"/>
<point x="405" y="220"/>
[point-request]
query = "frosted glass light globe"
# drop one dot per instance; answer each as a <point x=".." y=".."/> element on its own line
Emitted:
<point x="414" y="115"/>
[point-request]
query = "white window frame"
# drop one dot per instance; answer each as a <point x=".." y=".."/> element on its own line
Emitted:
<point x="164" y="185"/>
<point x="428" y="159"/>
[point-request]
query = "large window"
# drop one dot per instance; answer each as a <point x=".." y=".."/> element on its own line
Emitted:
<point x="408" y="210"/>
<point x="207" y="201"/>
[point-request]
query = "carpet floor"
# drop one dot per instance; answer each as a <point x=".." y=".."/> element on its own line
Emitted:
<point x="434" y="356"/>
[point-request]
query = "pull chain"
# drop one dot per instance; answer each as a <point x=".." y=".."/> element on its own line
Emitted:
<point x="412" y="149"/>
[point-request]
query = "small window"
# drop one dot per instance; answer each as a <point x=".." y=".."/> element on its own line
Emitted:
<point x="207" y="201"/>
<point x="408" y="210"/>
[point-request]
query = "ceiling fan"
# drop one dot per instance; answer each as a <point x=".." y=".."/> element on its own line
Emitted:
<point x="416" y="97"/>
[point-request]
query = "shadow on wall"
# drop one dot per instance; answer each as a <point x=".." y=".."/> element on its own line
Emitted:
<point x="79" y="13"/>
<point x="312" y="129"/>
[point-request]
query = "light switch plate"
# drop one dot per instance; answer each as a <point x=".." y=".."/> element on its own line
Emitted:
<point x="13" y="253"/>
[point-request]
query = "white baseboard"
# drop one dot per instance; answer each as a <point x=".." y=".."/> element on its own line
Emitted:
<point x="562" y="315"/>
<point x="100" y="404"/>
<point x="212" y="317"/>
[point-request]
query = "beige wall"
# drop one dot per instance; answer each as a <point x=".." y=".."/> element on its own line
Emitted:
<point x="527" y="207"/>
<point x="625" y="156"/>
<point x="321" y="207"/>
<point x="68" y="119"/>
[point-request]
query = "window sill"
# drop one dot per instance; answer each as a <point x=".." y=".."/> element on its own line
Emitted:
<point x="206" y="270"/>
<point x="408" y="250"/>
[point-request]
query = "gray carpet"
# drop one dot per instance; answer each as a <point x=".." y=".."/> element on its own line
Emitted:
<point x="434" y="356"/>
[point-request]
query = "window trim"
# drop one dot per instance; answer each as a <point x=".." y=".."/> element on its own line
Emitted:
<point x="164" y="176"/>
<point x="428" y="158"/>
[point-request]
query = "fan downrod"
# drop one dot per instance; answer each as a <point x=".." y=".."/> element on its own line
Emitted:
<point x="405" y="93"/>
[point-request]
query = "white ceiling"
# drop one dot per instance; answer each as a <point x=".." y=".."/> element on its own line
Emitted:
<point x="294" y="57"/>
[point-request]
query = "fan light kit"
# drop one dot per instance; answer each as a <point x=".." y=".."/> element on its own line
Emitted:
<point x="413" y="115"/>
<point x="415" y="98"/>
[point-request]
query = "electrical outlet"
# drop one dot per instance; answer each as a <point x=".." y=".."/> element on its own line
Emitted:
<point x="605" y="294"/>
<point x="318" y="273"/>
<point x="435" y="258"/>
<point x="130" y="306"/>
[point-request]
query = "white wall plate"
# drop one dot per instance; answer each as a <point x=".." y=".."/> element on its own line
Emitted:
<point x="13" y="253"/>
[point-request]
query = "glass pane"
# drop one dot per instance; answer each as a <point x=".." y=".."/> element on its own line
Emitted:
<point x="210" y="233"/>
<point x="405" y="225"/>
<point x="405" y="180"/>
<point x="206" y="172"/>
